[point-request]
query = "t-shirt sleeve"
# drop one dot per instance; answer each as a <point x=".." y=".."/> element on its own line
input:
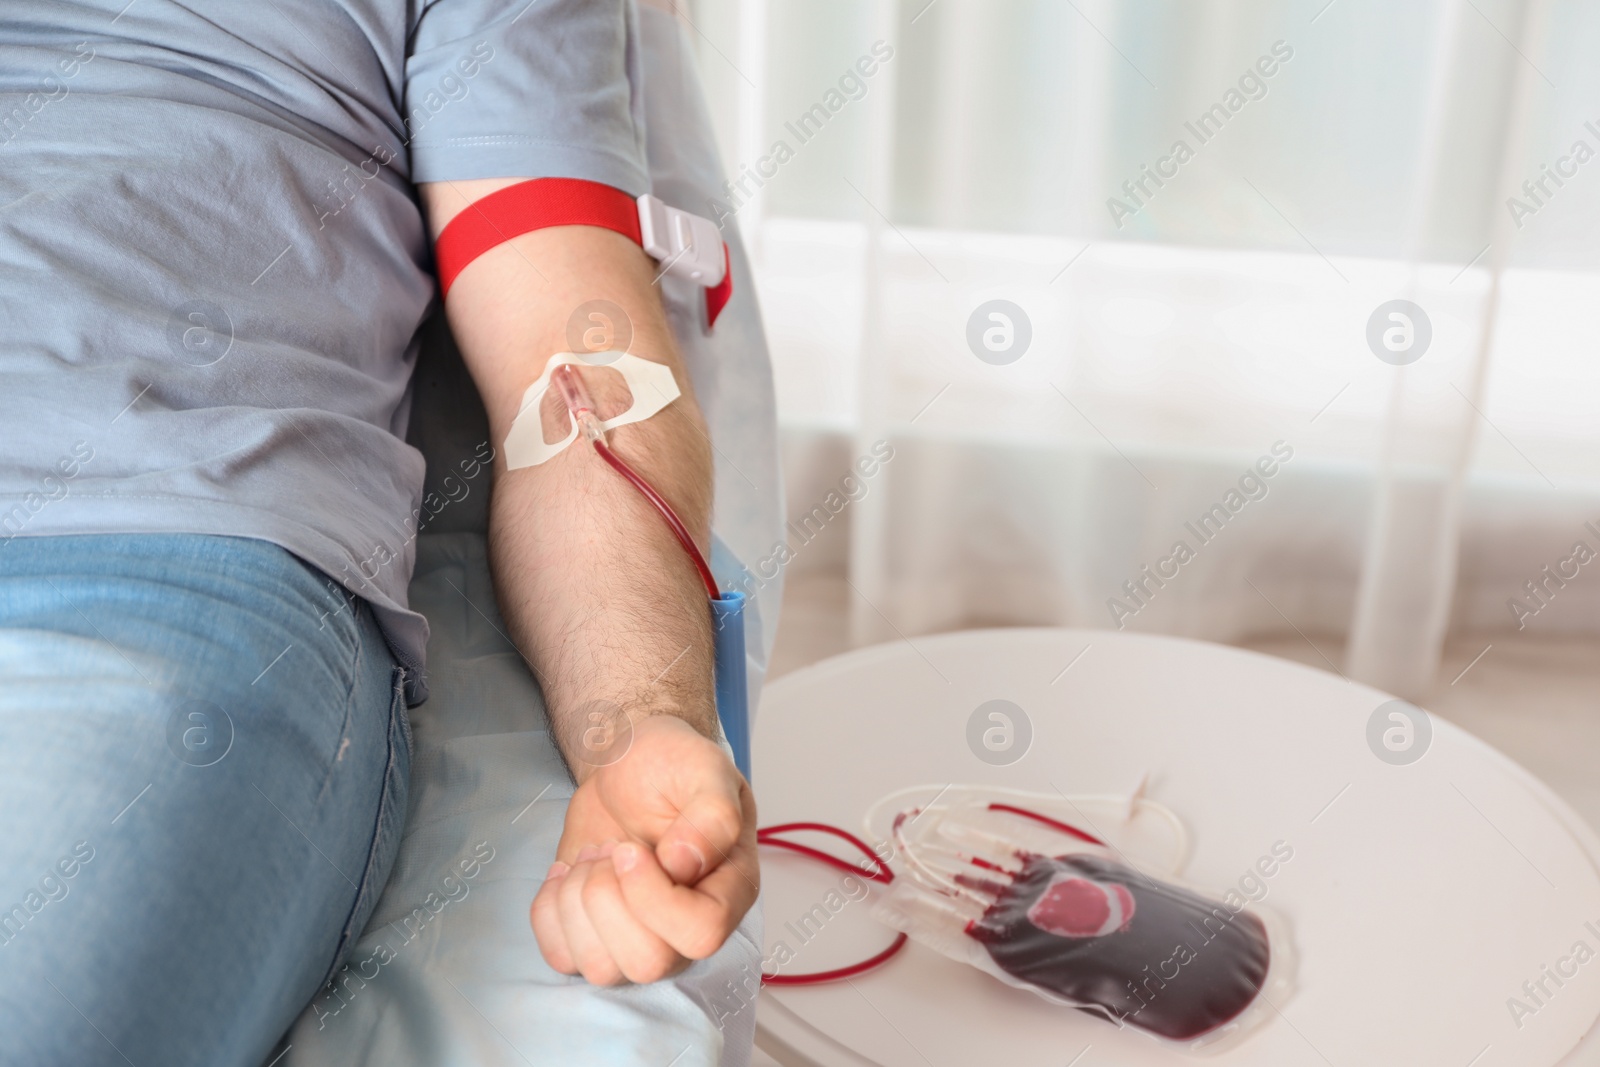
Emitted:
<point x="520" y="89"/>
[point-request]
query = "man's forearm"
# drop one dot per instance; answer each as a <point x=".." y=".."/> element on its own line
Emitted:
<point x="599" y="596"/>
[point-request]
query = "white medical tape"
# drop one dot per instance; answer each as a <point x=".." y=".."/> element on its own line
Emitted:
<point x="652" y="385"/>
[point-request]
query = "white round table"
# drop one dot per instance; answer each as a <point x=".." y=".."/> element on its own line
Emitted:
<point x="1421" y="896"/>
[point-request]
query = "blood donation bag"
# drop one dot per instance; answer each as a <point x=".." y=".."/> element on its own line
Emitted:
<point x="1025" y="888"/>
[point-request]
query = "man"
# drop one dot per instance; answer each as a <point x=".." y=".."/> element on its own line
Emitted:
<point x="215" y="234"/>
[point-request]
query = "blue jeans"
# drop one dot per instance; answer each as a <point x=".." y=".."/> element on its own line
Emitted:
<point x="204" y="754"/>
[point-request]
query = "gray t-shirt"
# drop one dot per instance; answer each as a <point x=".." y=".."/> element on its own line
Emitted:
<point x="213" y="263"/>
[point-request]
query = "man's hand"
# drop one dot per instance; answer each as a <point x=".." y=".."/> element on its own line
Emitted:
<point x="657" y="861"/>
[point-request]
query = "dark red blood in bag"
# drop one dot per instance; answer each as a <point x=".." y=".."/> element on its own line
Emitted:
<point x="1148" y="953"/>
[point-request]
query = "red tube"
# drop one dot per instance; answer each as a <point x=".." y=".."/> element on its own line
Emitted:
<point x="569" y="382"/>
<point x="667" y="513"/>
<point x="851" y="971"/>
<point x="767" y="835"/>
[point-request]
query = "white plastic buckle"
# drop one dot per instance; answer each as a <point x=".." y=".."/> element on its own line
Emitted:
<point x="687" y="246"/>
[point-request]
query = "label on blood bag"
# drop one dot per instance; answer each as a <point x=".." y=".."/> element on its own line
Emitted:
<point x="1079" y="907"/>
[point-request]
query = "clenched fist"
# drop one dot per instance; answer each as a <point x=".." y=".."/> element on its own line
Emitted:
<point x="657" y="860"/>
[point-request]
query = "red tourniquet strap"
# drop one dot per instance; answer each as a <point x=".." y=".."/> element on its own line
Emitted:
<point x="528" y="206"/>
<point x="717" y="296"/>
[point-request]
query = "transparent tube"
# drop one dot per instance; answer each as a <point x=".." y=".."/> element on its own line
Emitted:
<point x="579" y="403"/>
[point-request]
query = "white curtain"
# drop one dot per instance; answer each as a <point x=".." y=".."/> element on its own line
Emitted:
<point x="1197" y="317"/>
